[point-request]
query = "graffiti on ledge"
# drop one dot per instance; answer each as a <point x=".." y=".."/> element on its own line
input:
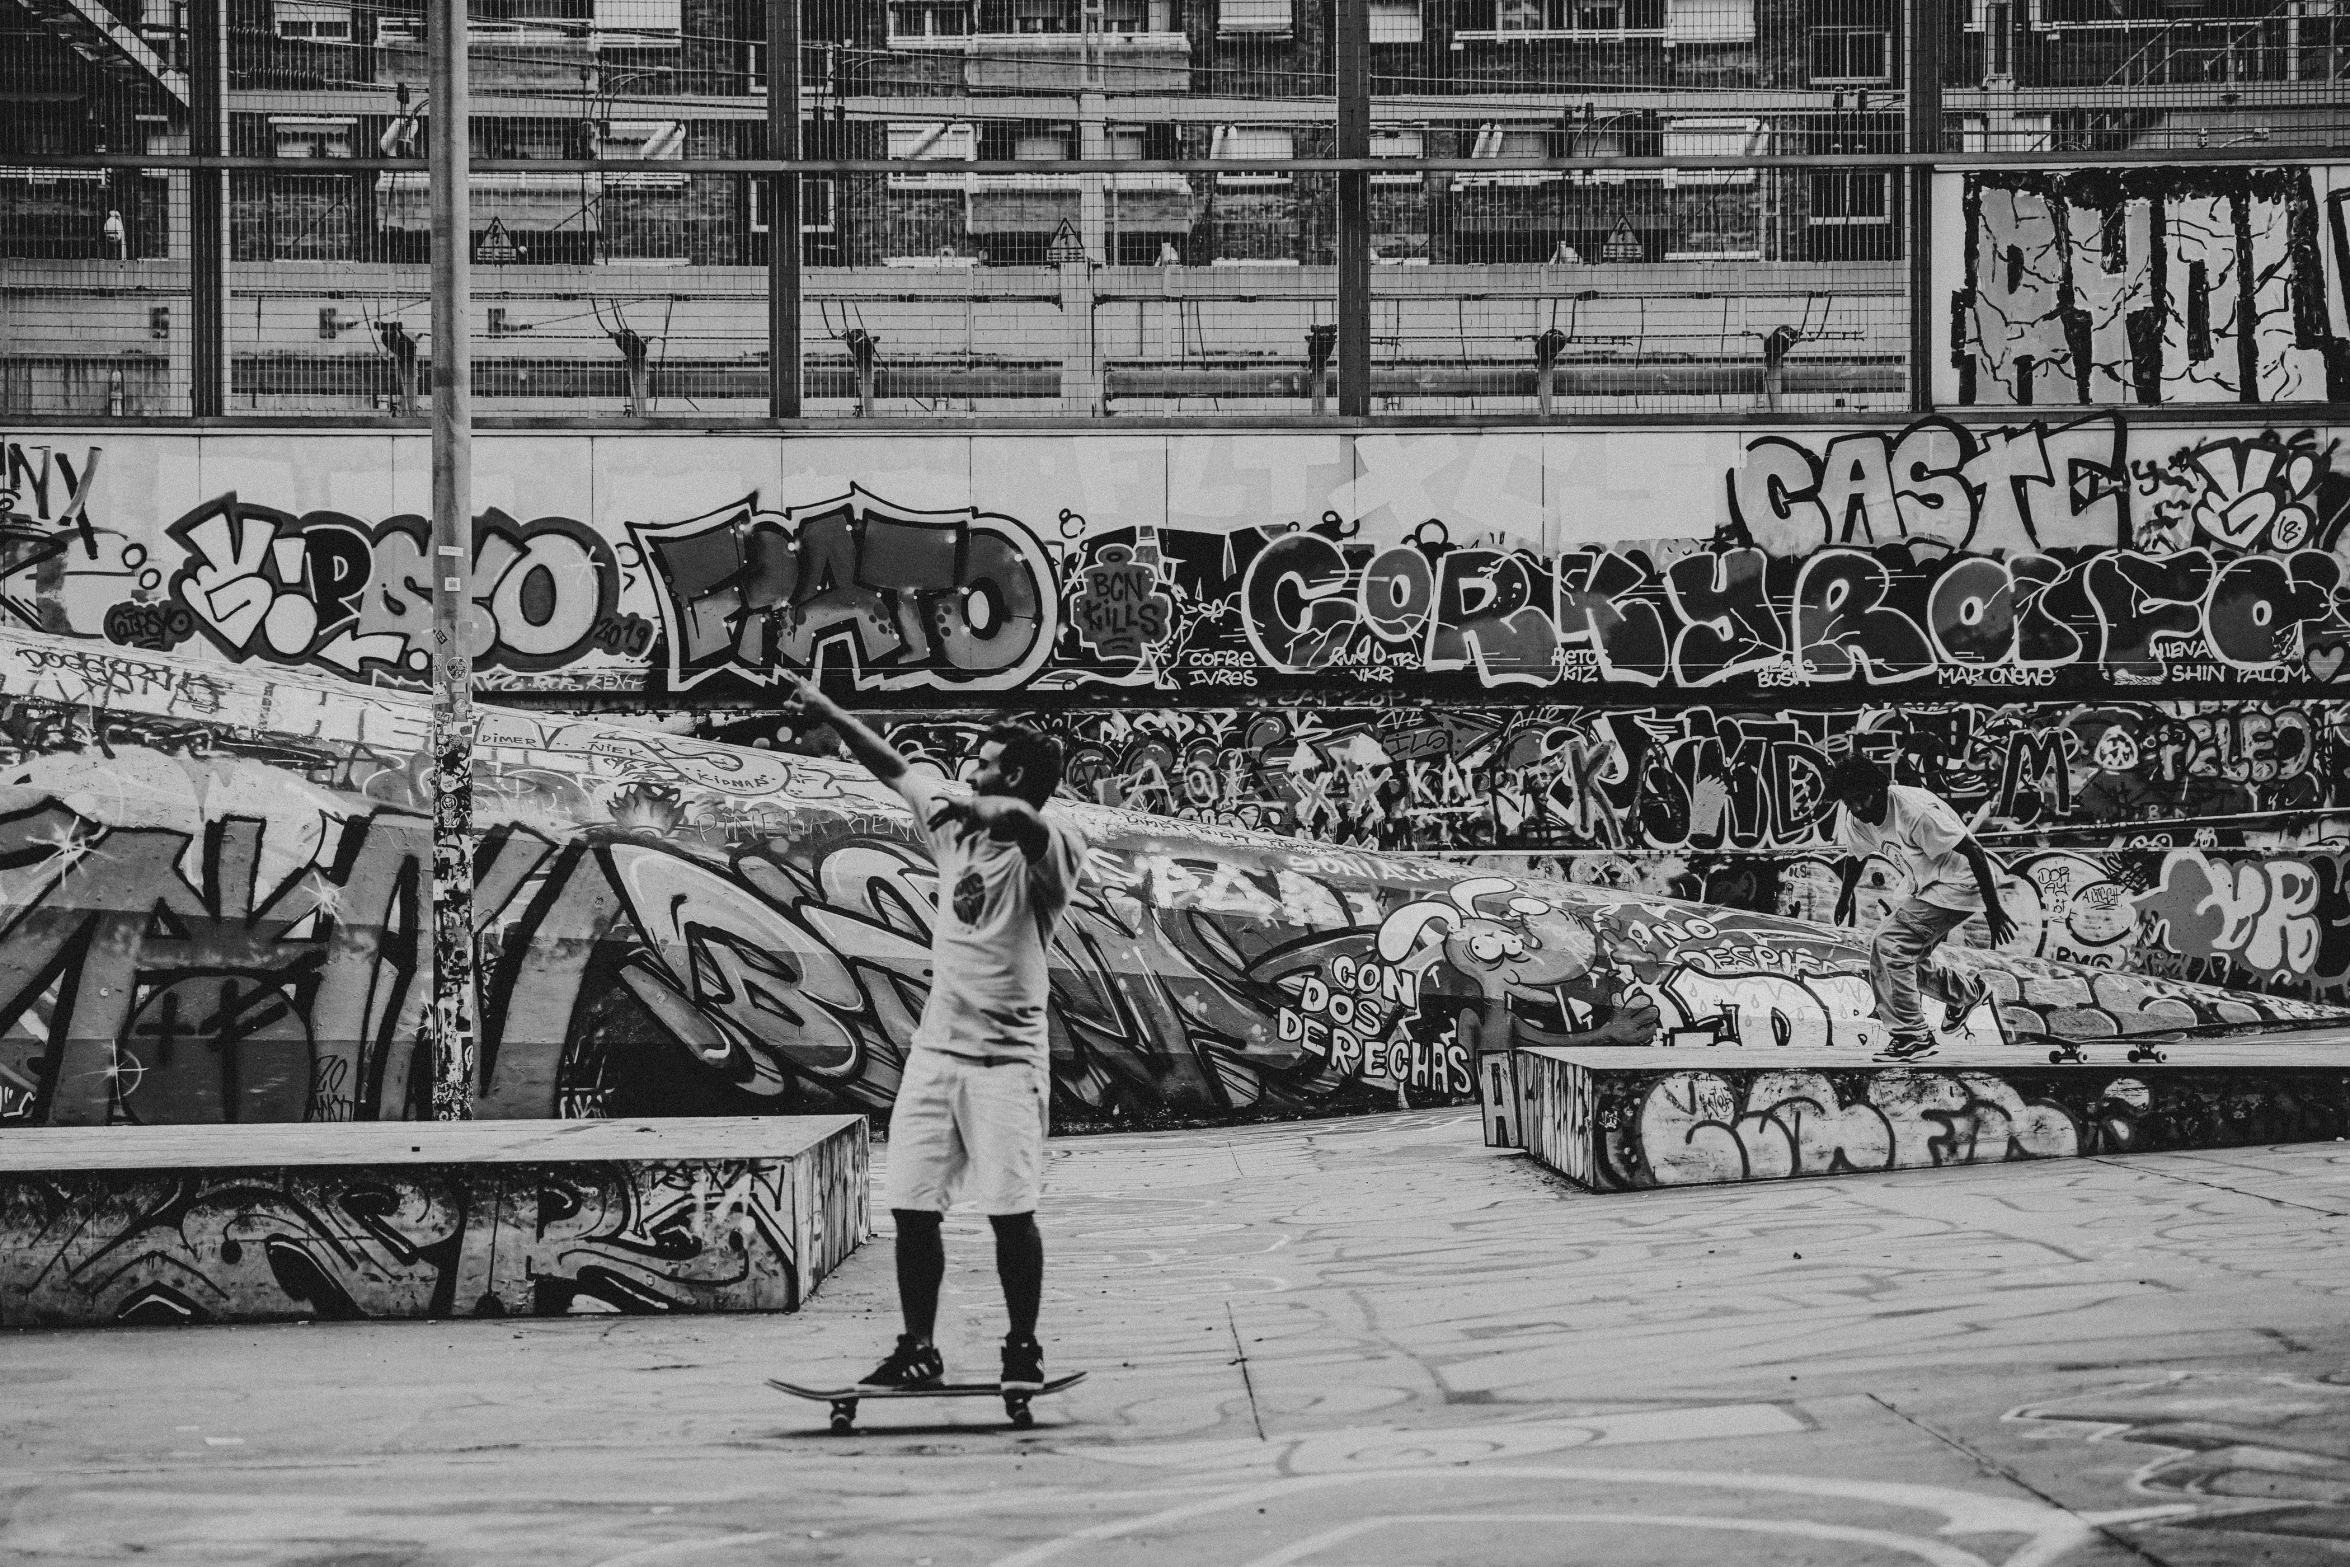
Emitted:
<point x="429" y="1241"/>
<point x="1678" y="1128"/>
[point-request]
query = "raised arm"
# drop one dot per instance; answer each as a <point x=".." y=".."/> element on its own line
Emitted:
<point x="1987" y="882"/>
<point x="879" y="756"/>
<point x="1008" y="820"/>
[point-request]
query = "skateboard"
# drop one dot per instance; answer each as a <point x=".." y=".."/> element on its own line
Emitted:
<point x="2069" y="1050"/>
<point x="844" y="1400"/>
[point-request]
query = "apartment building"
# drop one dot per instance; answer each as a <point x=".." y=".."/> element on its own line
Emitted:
<point x="944" y="83"/>
<point x="949" y="81"/>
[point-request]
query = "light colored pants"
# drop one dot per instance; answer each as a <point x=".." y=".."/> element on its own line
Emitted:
<point x="969" y="1129"/>
<point x="1908" y="934"/>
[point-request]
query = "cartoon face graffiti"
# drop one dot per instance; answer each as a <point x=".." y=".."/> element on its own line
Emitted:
<point x="1520" y="951"/>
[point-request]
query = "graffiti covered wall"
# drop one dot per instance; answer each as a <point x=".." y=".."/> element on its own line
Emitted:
<point x="2085" y="558"/>
<point x="1624" y="655"/>
<point x="211" y="879"/>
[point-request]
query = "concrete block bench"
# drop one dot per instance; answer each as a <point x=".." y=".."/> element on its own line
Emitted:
<point x="127" y="1224"/>
<point x="1620" y="1119"/>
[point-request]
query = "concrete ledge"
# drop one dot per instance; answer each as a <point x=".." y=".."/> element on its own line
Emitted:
<point x="425" y="1219"/>
<point x="1623" y="1119"/>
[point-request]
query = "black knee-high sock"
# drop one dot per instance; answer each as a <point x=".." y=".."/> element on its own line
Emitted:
<point x="922" y="1263"/>
<point x="1019" y="1262"/>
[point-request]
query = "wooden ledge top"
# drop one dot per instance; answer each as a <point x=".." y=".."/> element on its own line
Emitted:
<point x="289" y="1144"/>
<point x="2100" y="1055"/>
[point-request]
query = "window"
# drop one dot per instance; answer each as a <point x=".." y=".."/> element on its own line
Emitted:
<point x="913" y="20"/>
<point x="1617" y="18"/>
<point x="319" y="21"/>
<point x="653" y="141"/>
<point x="1995" y="20"/>
<point x="1050" y="147"/>
<point x="1252" y="141"/>
<point x="1395" y="21"/>
<point x="819" y="210"/>
<point x="1126" y="141"/>
<point x="640" y="24"/>
<point x="1851" y="54"/>
<point x="1851" y="197"/>
<point x="1398" y="144"/>
<point x="1709" y="21"/>
<point x="1133" y="16"/>
<point x="955" y="142"/>
<point x="2004" y="133"/>
<point x="1714" y="138"/>
<point x="1502" y="141"/>
<point x="1043" y="16"/>
<point x="1252" y="16"/>
<point x="303" y="136"/>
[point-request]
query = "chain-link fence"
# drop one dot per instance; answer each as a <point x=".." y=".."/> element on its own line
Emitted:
<point x="1071" y="208"/>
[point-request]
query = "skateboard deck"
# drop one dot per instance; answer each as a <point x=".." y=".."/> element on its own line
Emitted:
<point x="844" y="1400"/>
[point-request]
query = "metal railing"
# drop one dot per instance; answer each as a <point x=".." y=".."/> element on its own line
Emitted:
<point x="1065" y="209"/>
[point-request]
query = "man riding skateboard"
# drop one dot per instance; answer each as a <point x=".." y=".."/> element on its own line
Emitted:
<point x="1950" y="881"/>
<point x="974" y="1100"/>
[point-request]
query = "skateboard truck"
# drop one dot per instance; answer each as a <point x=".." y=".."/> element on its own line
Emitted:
<point x="2069" y="1050"/>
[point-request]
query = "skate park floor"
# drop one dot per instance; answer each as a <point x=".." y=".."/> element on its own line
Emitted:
<point x="1358" y="1343"/>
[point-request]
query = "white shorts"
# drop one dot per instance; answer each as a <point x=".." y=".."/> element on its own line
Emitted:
<point x="964" y="1128"/>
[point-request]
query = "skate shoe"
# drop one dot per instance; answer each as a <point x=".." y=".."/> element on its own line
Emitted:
<point x="1023" y="1365"/>
<point x="1909" y="1049"/>
<point x="911" y="1364"/>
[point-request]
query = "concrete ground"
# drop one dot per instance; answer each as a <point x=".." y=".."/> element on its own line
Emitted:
<point x="1335" y="1345"/>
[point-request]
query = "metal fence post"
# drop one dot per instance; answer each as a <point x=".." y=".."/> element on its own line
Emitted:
<point x="1922" y="74"/>
<point x="208" y="227"/>
<point x="783" y="210"/>
<point x="1354" y="208"/>
<point x="450" y="1019"/>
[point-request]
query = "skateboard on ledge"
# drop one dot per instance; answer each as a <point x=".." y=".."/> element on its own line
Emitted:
<point x="2070" y="1051"/>
<point x="844" y="1400"/>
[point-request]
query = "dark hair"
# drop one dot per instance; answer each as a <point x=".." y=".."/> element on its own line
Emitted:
<point x="1855" y="772"/>
<point x="1035" y="757"/>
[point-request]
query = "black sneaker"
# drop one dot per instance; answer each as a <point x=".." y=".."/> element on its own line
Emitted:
<point x="1907" y="1049"/>
<point x="911" y="1364"/>
<point x="1023" y="1364"/>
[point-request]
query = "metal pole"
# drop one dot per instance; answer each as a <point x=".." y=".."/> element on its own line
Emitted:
<point x="450" y="1022"/>
<point x="1354" y="209"/>
<point x="1922" y="75"/>
<point x="207" y="209"/>
<point x="783" y="210"/>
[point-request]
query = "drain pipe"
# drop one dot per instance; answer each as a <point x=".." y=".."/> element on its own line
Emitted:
<point x="1776" y="347"/>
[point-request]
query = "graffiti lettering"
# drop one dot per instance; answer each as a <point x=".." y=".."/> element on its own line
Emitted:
<point x="327" y="589"/>
<point x="2151" y="284"/>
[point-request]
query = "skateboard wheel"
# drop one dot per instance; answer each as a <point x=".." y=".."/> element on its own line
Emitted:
<point x="843" y="1423"/>
<point x="1022" y="1420"/>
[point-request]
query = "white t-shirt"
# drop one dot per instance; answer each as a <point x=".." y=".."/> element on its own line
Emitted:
<point x="996" y="914"/>
<point x="1922" y="833"/>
